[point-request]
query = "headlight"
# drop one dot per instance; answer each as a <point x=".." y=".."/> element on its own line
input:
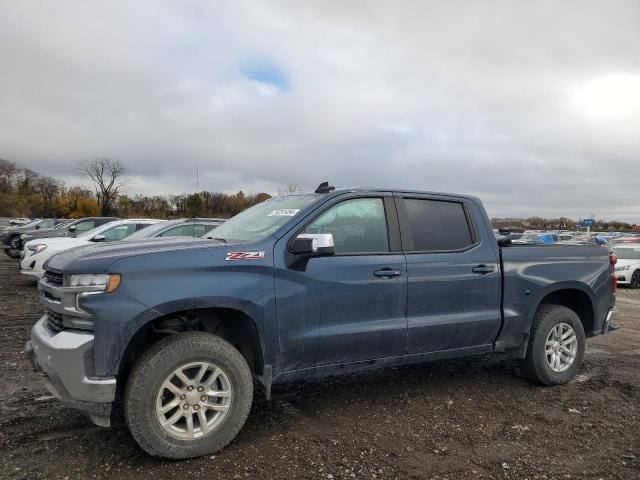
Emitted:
<point x="102" y="281"/>
<point x="622" y="268"/>
<point x="36" y="248"/>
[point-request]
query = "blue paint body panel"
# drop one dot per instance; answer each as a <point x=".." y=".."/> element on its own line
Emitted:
<point x="330" y="314"/>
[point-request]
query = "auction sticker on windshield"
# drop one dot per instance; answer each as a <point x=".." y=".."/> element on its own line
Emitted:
<point x="284" y="212"/>
<point x="245" y="255"/>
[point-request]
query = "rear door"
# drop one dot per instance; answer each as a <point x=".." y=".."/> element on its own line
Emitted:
<point x="453" y="274"/>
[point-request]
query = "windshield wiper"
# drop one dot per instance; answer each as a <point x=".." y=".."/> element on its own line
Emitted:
<point x="223" y="240"/>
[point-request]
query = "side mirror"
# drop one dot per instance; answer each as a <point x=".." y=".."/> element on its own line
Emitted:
<point x="313" y="244"/>
<point x="37" y="227"/>
<point x="98" y="238"/>
<point x="504" y="241"/>
<point x="72" y="228"/>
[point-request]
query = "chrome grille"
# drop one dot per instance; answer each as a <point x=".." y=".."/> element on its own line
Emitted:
<point x="53" y="278"/>
<point x="55" y="321"/>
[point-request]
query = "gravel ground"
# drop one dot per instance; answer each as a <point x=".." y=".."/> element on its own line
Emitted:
<point x="470" y="418"/>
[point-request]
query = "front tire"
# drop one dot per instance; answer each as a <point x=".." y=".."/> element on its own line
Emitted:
<point x="188" y="396"/>
<point x="14" y="242"/>
<point x="556" y="346"/>
<point x="12" y="253"/>
<point x="635" y="279"/>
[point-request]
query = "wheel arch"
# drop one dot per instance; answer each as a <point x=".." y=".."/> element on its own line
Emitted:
<point x="576" y="299"/>
<point x="233" y="325"/>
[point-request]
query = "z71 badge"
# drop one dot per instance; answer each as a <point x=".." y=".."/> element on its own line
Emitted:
<point x="245" y="255"/>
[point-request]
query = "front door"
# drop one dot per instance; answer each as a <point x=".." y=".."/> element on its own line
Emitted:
<point x="347" y="307"/>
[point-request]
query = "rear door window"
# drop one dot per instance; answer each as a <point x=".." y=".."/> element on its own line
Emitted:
<point x="437" y="225"/>
<point x="84" y="226"/>
<point x="201" y="229"/>
<point x="119" y="232"/>
<point x="47" y="223"/>
<point x="179" y="231"/>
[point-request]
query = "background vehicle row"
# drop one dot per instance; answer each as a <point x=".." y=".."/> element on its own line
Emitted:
<point x="38" y="251"/>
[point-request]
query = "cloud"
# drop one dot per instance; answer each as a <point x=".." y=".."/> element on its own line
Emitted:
<point x="530" y="106"/>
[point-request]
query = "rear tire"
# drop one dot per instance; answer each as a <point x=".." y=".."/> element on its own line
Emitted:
<point x="556" y="346"/>
<point x="185" y="369"/>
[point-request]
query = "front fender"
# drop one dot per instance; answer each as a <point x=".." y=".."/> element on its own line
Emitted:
<point x="249" y="308"/>
<point x="155" y="285"/>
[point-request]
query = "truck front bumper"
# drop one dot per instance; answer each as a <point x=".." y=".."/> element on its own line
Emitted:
<point x="61" y="358"/>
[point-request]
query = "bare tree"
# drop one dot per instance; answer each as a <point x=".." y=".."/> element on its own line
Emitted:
<point x="290" y="187"/>
<point x="27" y="183"/>
<point x="107" y="175"/>
<point x="8" y="170"/>
<point x="48" y="188"/>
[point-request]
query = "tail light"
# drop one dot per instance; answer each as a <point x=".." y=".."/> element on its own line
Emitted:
<point x="612" y="261"/>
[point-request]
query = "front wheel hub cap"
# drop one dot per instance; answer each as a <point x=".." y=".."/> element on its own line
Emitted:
<point x="194" y="400"/>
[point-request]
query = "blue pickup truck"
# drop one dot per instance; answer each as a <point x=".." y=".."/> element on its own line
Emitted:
<point x="302" y="286"/>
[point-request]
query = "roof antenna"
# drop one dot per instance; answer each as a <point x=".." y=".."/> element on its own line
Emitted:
<point x="324" y="187"/>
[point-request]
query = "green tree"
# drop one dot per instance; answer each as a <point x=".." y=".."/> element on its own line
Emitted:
<point x="194" y="205"/>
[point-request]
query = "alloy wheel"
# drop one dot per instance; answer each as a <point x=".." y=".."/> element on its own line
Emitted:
<point x="561" y="347"/>
<point x="194" y="400"/>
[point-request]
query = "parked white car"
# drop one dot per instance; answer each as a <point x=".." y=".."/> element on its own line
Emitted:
<point x="38" y="251"/>
<point x="20" y="221"/>
<point x="628" y="266"/>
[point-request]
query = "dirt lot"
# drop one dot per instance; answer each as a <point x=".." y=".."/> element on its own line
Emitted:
<point x="473" y="418"/>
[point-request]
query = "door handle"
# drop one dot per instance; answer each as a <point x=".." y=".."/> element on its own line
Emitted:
<point x="483" y="269"/>
<point x="387" y="273"/>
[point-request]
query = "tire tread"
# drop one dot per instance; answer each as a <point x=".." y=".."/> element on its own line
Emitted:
<point x="153" y="361"/>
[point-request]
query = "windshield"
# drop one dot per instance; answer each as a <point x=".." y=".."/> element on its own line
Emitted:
<point x="151" y="230"/>
<point x="627" y="253"/>
<point x="262" y="219"/>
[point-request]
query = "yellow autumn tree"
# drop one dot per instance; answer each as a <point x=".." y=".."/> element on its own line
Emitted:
<point x="77" y="202"/>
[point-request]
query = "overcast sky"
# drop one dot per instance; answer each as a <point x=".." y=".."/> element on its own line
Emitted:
<point x="534" y="106"/>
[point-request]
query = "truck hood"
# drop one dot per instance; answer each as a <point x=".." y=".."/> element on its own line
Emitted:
<point x="96" y="258"/>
